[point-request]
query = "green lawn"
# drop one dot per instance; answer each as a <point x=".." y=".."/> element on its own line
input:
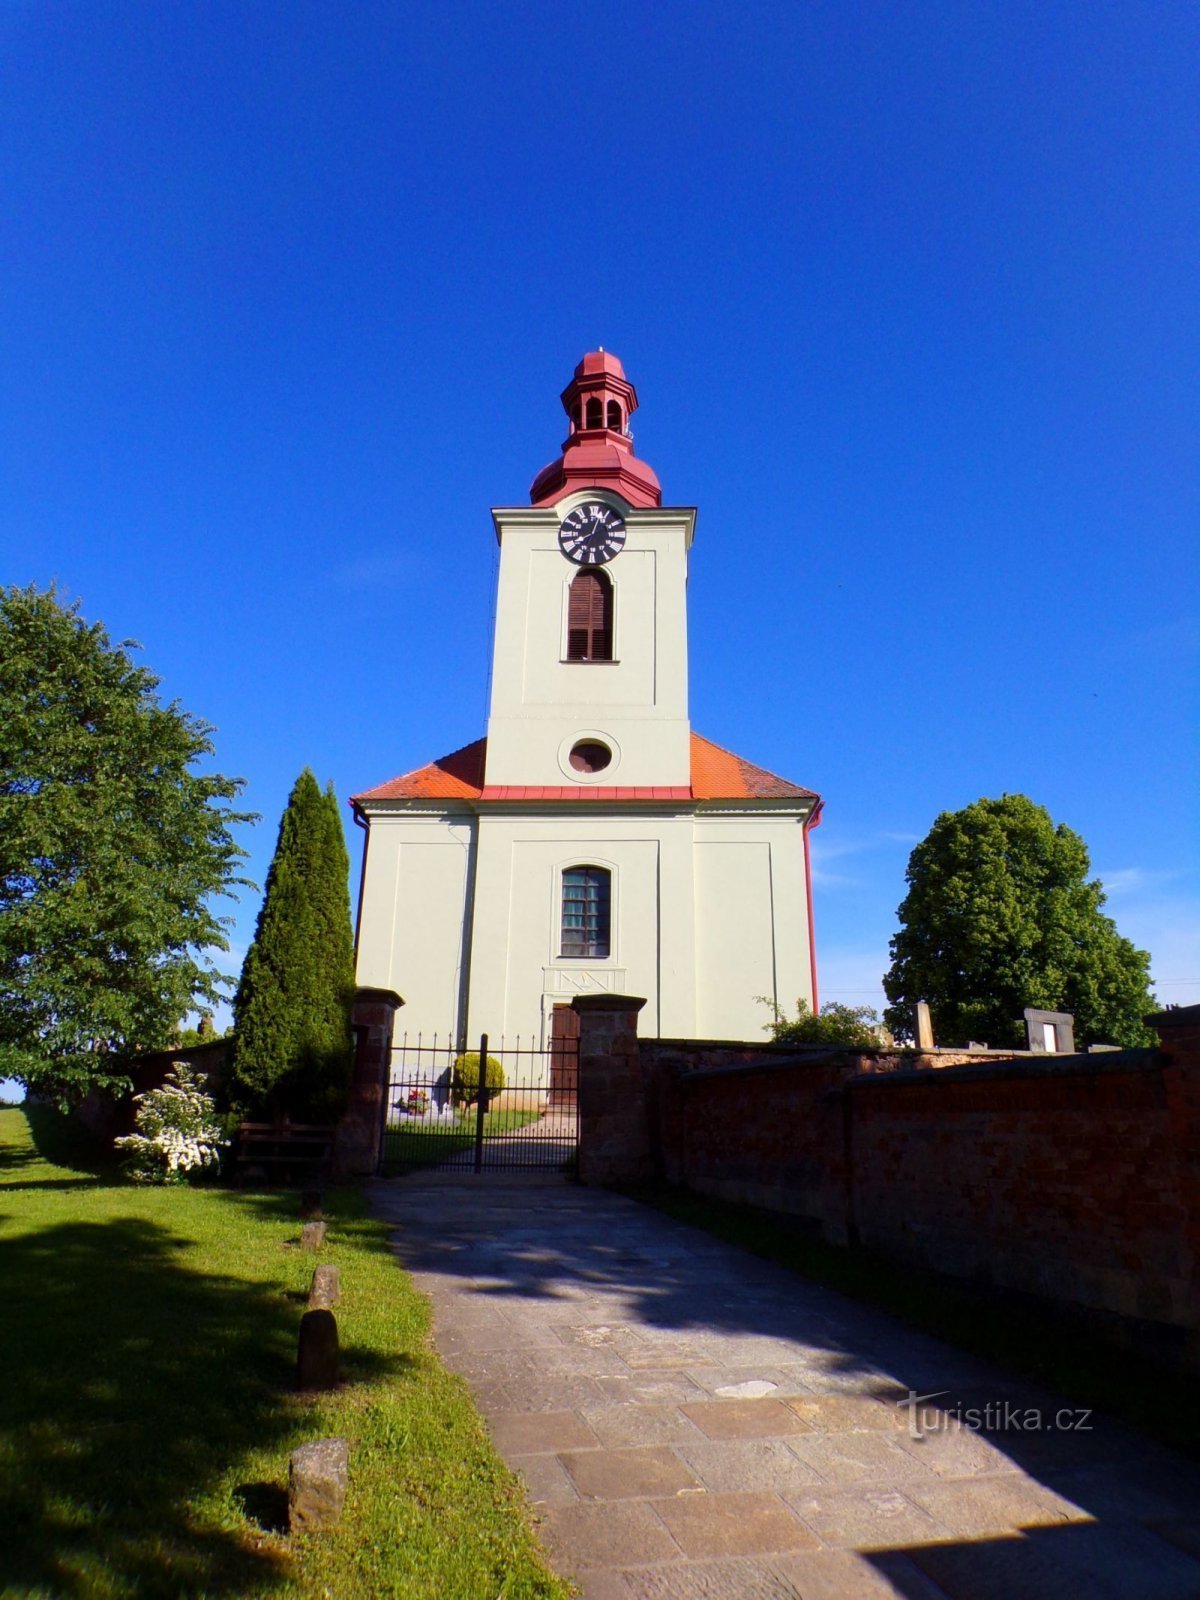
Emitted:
<point x="409" y="1143"/>
<point x="147" y="1350"/>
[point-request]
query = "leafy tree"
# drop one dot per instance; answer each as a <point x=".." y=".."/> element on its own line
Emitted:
<point x="834" y="1024"/>
<point x="1000" y="914"/>
<point x="292" y="1045"/>
<point x="111" y="846"/>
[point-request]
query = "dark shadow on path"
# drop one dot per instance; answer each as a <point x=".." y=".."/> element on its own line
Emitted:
<point x="1134" y="1501"/>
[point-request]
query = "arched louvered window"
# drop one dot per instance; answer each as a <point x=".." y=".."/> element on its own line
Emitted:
<point x="595" y="413"/>
<point x="590" y="617"/>
<point x="614" y="415"/>
<point x="586" y="911"/>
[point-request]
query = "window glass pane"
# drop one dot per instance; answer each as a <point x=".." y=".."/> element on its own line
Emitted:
<point x="586" y="912"/>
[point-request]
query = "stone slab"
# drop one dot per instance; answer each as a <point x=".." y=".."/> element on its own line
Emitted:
<point x="601" y="1534"/>
<point x="976" y="1508"/>
<point x="546" y="1483"/>
<point x="725" y="1465"/>
<point x="625" y="1425"/>
<point x="733" y="1524"/>
<point x="628" y="1474"/>
<point x="848" y="1413"/>
<point x="864" y="1519"/>
<point x="845" y="1458"/>
<point x="539" y="1432"/>
<point x="743" y="1578"/>
<point x="744" y="1419"/>
<point x="844" y="1575"/>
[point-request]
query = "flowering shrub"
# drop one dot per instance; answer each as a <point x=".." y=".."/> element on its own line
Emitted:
<point x="177" y="1131"/>
<point x="418" y="1102"/>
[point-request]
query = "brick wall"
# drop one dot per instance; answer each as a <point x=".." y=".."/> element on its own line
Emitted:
<point x="1074" y="1178"/>
<point x="762" y="1125"/>
<point x="1058" y="1179"/>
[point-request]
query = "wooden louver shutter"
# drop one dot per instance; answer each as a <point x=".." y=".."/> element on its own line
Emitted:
<point x="589" y="618"/>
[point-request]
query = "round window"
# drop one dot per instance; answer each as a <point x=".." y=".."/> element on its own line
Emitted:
<point x="589" y="755"/>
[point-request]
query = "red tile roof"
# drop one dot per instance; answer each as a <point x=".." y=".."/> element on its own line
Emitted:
<point x="717" y="774"/>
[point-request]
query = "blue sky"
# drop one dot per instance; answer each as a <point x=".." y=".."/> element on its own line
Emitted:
<point x="909" y="295"/>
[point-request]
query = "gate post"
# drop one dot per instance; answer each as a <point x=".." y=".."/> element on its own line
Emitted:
<point x="614" y="1133"/>
<point x="358" y="1138"/>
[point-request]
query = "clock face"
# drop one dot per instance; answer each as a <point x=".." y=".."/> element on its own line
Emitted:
<point x="592" y="533"/>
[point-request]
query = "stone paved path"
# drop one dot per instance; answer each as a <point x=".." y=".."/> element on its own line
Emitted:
<point x="693" y="1423"/>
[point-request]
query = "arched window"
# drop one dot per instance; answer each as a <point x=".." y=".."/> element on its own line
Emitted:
<point x="576" y="416"/>
<point x="614" y="414"/>
<point x="590" y="617"/>
<point x="586" y="910"/>
<point x="595" y="414"/>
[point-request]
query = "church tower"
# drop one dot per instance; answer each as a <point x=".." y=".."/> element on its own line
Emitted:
<point x="589" y="667"/>
<point x="591" y="842"/>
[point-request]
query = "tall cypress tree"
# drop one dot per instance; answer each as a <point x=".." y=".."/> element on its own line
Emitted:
<point x="292" y="1041"/>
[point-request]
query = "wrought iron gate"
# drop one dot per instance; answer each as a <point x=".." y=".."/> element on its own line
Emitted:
<point x="521" y="1114"/>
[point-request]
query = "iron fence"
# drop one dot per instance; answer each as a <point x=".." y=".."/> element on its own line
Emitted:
<point x="519" y="1113"/>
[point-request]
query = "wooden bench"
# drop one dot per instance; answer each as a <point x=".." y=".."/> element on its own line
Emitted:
<point x="293" y="1154"/>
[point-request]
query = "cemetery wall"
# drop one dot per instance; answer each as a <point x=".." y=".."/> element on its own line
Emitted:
<point x="1075" y="1179"/>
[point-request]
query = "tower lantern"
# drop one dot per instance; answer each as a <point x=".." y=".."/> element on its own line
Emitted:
<point x="598" y="449"/>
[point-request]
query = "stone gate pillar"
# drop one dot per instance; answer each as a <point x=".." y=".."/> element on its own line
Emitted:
<point x="614" y="1131"/>
<point x="357" y="1139"/>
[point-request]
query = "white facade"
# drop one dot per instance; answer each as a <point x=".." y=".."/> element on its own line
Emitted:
<point x="461" y="915"/>
<point x="541" y="702"/>
<point x="462" y="908"/>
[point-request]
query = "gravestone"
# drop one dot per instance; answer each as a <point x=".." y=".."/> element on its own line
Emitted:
<point x="923" y="1025"/>
<point x="310" y="1203"/>
<point x="1050" y="1032"/>
<point x="326" y="1289"/>
<point x="317" y="1351"/>
<point x="312" y="1236"/>
<point x="318" y="1475"/>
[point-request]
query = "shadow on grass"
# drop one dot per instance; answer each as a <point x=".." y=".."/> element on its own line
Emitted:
<point x="265" y="1505"/>
<point x="128" y="1385"/>
<point x="63" y="1141"/>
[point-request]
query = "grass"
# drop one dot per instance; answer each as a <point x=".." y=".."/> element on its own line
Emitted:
<point x="1052" y="1347"/>
<point x="147" y="1410"/>
<point x="409" y="1144"/>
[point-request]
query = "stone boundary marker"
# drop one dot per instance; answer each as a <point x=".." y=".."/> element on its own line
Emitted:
<point x="326" y="1289"/>
<point x="318" y="1476"/>
<point x="312" y="1236"/>
<point x="317" y="1351"/>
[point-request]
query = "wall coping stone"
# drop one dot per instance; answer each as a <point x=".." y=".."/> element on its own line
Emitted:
<point x="607" y="1002"/>
<point x="368" y="996"/>
<point x="733" y="1069"/>
<point x="1046" y="1066"/>
<point x="1176" y="1017"/>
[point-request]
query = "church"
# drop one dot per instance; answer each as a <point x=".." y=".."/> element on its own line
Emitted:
<point x="591" y="842"/>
